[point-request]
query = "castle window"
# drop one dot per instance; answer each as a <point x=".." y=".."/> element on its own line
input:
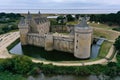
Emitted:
<point x="77" y="35"/>
<point x="76" y="47"/>
<point x="77" y="40"/>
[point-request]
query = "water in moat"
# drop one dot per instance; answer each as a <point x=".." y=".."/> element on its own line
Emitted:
<point x="40" y="53"/>
<point x="71" y="77"/>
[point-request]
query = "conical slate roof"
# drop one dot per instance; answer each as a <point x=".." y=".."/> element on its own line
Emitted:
<point x="83" y="23"/>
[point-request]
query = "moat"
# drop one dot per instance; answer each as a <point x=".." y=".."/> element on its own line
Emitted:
<point x="40" y="53"/>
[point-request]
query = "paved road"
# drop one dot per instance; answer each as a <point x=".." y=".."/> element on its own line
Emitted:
<point x="6" y="40"/>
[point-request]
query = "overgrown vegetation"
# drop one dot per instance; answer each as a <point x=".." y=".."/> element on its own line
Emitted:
<point x="9" y="22"/>
<point x="24" y="66"/>
<point x="116" y="29"/>
<point x="10" y="76"/>
<point x="13" y="44"/>
<point x="117" y="44"/>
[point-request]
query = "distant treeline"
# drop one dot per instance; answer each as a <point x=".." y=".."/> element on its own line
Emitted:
<point x="10" y="15"/>
<point x="112" y="18"/>
<point x="9" y="22"/>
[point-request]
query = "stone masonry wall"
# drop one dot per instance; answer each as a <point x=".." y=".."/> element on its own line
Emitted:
<point x="43" y="28"/>
<point x="64" y="43"/>
<point x="61" y="43"/>
<point x="36" y="39"/>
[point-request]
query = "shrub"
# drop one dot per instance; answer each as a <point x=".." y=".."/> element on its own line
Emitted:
<point x="117" y="43"/>
<point x="116" y="29"/>
<point x="21" y="64"/>
<point x="5" y="64"/>
<point x="9" y="76"/>
<point x="111" y="64"/>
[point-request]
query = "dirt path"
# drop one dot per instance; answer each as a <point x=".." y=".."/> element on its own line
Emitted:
<point x="6" y="40"/>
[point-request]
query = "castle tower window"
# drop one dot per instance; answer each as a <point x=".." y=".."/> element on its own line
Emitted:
<point x="76" y="47"/>
<point x="77" y="35"/>
<point x="77" y="40"/>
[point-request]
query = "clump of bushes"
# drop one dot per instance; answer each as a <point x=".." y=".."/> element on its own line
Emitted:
<point x="17" y="64"/>
<point x="116" y="29"/>
<point x="24" y="65"/>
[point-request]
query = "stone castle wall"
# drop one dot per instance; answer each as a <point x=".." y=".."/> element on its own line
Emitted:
<point x="64" y="43"/>
<point x="43" y="28"/>
<point x="61" y="43"/>
<point x="36" y="39"/>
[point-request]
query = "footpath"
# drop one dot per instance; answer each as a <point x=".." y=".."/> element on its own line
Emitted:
<point x="5" y="41"/>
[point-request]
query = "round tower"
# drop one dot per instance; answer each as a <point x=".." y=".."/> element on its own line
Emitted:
<point x="82" y="42"/>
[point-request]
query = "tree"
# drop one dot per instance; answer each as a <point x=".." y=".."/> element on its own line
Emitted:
<point x="69" y="17"/>
<point x="77" y="16"/>
<point x="60" y="19"/>
<point x="117" y="43"/>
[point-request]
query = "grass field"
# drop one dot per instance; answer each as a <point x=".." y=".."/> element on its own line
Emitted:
<point x="105" y="26"/>
<point x="108" y="34"/>
<point x="105" y="47"/>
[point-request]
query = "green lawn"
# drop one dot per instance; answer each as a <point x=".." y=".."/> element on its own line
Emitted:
<point x="100" y="25"/>
<point x="72" y="23"/>
<point x="105" y="47"/>
<point x="108" y="34"/>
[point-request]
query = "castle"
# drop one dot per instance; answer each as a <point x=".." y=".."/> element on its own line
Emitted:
<point x="35" y="31"/>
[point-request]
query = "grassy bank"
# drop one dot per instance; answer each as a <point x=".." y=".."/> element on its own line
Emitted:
<point x="24" y="66"/>
<point x="105" y="47"/>
<point x="13" y="44"/>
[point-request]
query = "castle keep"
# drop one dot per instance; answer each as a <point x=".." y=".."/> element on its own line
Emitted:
<point x="35" y="31"/>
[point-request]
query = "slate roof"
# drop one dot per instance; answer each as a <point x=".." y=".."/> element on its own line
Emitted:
<point x="83" y="23"/>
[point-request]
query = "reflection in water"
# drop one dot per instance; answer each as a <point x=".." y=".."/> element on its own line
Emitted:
<point x="62" y="77"/>
<point x="17" y="49"/>
<point x="71" y="77"/>
<point x="40" y="53"/>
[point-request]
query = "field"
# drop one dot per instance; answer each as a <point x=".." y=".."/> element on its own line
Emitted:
<point x="104" y="49"/>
